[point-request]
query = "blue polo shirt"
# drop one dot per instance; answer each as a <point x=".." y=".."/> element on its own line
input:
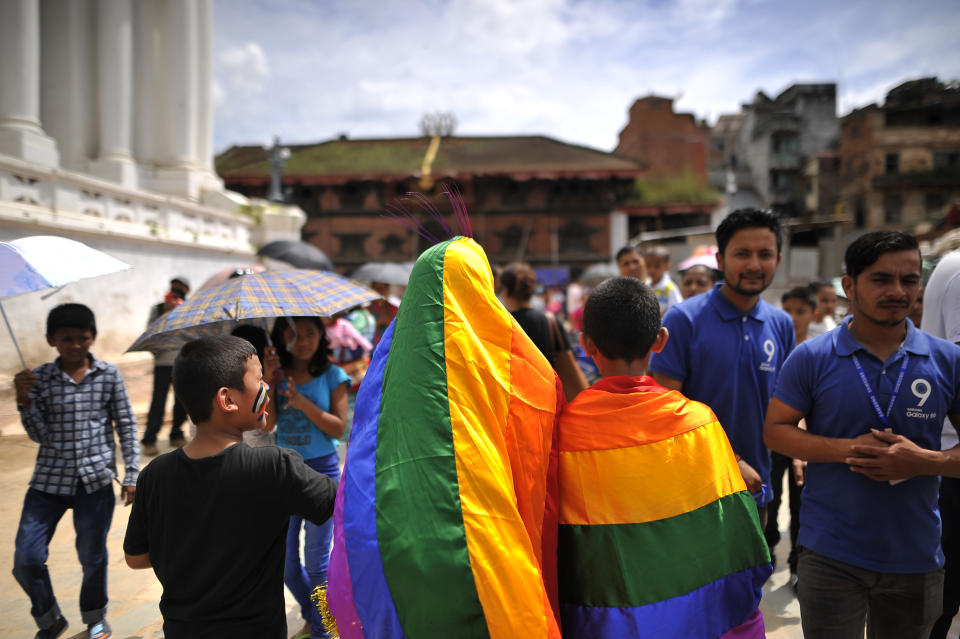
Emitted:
<point x="845" y="515"/>
<point x="729" y="360"/>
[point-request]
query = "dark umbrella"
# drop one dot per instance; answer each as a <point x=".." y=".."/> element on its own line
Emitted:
<point x="386" y="272"/>
<point x="298" y="254"/>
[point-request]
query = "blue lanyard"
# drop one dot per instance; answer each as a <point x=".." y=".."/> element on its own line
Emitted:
<point x="884" y="417"/>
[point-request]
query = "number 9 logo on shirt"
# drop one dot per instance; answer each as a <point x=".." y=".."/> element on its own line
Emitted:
<point x="921" y="390"/>
<point x="770" y="349"/>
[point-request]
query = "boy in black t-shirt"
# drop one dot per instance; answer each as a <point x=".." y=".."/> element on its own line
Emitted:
<point x="211" y="518"/>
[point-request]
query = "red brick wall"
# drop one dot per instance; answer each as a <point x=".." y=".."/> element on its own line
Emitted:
<point x="669" y="143"/>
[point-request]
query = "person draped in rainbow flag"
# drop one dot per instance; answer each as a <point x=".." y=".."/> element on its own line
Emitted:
<point x="446" y="517"/>
<point x="445" y="520"/>
<point x="659" y="536"/>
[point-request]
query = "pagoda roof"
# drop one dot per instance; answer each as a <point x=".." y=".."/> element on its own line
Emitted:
<point x="342" y="160"/>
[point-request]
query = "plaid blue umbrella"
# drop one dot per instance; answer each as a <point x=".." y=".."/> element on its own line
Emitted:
<point x="254" y="298"/>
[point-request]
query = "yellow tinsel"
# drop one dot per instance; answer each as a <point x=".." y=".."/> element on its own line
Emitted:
<point x="329" y="623"/>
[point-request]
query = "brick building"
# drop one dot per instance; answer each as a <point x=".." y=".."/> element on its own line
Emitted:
<point x="530" y="197"/>
<point x="900" y="162"/>
<point x="669" y="143"/>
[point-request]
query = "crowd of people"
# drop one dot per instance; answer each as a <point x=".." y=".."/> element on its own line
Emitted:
<point x="856" y="416"/>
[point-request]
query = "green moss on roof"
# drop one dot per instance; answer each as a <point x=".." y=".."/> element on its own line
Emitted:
<point x="404" y="156"/>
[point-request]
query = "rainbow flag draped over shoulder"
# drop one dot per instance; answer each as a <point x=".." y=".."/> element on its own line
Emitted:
<point x="659" y="536"/>
<point x="445" y="519"/>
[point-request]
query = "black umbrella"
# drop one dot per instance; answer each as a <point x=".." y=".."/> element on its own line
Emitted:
<point x="297" y="254"/>
<point x="386" y="272"/>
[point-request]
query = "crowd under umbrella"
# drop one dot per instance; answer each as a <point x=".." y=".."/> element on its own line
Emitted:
<point x="48" y="262"/>
<point x="297" y="254"/>
<point x="254" y="298"/>
<point x="386" y="272"/>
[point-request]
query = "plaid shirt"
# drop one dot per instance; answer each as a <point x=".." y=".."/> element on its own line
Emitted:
<point x="73" y="423"/>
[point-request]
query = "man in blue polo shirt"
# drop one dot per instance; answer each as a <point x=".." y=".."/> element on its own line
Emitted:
<point x="873" y="393"/>
<point x="726" y="346"/>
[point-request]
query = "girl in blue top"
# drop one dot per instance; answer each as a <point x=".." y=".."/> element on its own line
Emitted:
<point x="311" y="415"/>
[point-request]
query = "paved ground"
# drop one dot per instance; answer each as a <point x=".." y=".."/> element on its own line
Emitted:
<point x="134" y="595"/>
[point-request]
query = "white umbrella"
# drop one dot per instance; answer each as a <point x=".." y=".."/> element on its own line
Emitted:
<point x="46" y="261"/>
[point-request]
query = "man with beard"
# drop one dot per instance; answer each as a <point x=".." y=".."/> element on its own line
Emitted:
<point x="727" y="345"/>
<point x="874" y="393"/>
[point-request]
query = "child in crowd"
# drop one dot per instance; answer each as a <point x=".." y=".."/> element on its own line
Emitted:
<point x="71" y="407"/>
<point x="696" y="280"/>
<point x="267" y="356"/>
<point x="658" y="269"/>
<point x="211" y="518"/>
<point x="311" y="417"/>
<point x="650" y="486"/>
<point x="801" y="305"/>
<point x="823" y="319"/>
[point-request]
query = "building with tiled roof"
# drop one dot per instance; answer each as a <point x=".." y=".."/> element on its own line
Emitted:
<point x="530" y="197"/>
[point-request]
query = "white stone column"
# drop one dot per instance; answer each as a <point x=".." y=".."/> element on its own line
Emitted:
<point x="20" y="132"/>
<point x="205" y="84"/>
<point x="147" y="76"/>
<point x="211" y="184"/>
<point x="179" y="174"/>
<point x="115" y="65"/>
<point x="66" y="79"/>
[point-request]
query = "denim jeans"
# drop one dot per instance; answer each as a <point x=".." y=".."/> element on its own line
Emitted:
<point x="302" y="578"/>
<point x="92" y="515"/>
<point x="836" y="599"/>
<point x="162" y="377"/>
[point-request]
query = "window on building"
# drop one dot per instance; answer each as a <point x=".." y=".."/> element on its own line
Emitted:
<point x="510" y="240"/>
<point x="785" y="143"/>
<point x="393" y="245"/>
<point x="514" y="194"/>
<point x="859" y="213"/>
<point x="892" y="163"/>
<point x="352" y="196"/>
<point x="946" y="160"/>
<point x="575" y="237"/>
<point x="352" y="244"/>
<point x="892" y="208"/>
<point x="933" y="203"/>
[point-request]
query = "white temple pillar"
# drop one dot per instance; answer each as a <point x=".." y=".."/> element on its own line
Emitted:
<point x="115" y="64"/>
<point x="179" y="174"/>
<point x="212" y="184"/>
<point x="67" y="63"/>
<point x="147" y="75"/>
<point x="20" y="132"/>
<point x="205" y="84"/>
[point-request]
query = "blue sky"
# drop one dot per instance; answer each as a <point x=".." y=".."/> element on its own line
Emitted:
<point x="308" y="70"/>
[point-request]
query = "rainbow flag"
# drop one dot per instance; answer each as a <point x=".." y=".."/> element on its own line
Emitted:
<point x="446" y="517"/>
<point x="659" y="536"/>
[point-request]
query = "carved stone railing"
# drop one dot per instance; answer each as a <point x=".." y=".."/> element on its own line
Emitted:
<point x="64" y="201"/>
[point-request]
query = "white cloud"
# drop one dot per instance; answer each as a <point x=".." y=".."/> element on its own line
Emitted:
<point x="242" y="71"/>
<point x="566" y="68"/>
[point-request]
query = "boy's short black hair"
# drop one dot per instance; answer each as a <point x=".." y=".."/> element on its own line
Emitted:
<point x="253" y="334"/>
<point x="626" y="249"/>
<point x="622" y="317"/>
<point x="71" y="316"/>
<point x="747" y="219"/>
<point x="206" y="365"/>
<point x="657" y="252"/>
<point x="867" y="249"/>
<point x="802" y="293"/>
